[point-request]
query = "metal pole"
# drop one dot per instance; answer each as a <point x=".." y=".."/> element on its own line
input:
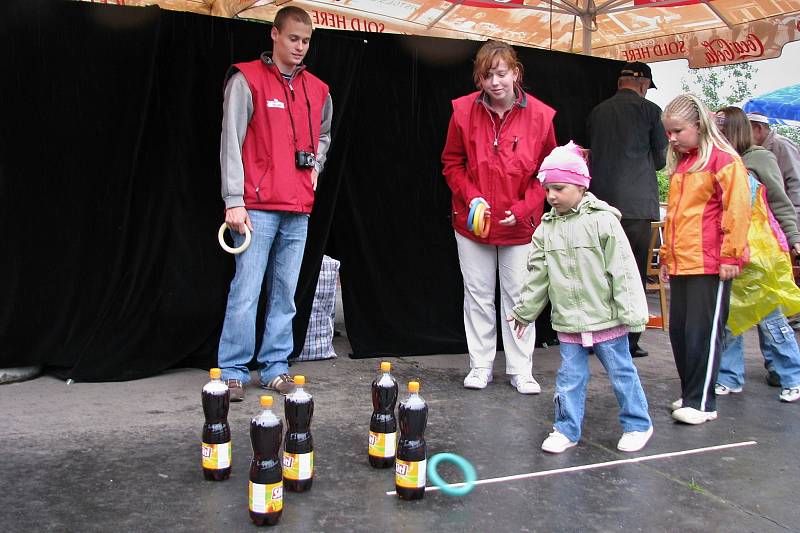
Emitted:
<point x="586" y="20"/>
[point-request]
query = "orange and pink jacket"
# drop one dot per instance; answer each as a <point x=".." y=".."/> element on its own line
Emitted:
<point x="708" y="216"/>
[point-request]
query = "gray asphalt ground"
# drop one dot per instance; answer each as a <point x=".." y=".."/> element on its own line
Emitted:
<point x="126" y="456"/>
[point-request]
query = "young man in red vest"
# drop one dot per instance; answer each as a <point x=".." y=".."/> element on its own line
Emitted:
<point x="275" y="138"/>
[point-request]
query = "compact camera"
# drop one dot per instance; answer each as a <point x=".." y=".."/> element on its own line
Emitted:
<point x="304" y="159"/>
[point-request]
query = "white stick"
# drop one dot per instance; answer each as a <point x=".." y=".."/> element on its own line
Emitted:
<point x="595" y="465"/>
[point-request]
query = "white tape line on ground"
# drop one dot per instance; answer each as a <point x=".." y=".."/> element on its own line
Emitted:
<point x="596" y="465"/>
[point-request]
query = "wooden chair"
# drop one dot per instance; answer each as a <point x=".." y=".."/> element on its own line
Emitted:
<point x="654" y="270"/>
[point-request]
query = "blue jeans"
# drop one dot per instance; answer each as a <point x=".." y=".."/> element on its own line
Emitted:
<point x="778" y="345"/>
<point x="276" y="249"/>
<point x="573" y="379"/>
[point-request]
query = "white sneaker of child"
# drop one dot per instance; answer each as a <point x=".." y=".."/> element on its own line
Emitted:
<point x="723" y="390"/>
<point x="677" y="404"/>
<point x="525" y="384"/>
<point x="557" y="442"/>
<point x="790" y="394"/>
<point x="690" y="415"/>
<point x="633" y="441"/>
<point x="478" y="378"/>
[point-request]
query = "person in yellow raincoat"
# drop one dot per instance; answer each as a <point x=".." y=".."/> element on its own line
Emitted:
<point x="765" y="290"/>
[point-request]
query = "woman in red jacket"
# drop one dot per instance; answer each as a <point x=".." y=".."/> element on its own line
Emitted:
<point x="497" y="138"/>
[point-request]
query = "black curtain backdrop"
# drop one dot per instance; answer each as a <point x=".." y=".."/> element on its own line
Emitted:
<point x="401" y="282"/>
<point x="109" y="184"/>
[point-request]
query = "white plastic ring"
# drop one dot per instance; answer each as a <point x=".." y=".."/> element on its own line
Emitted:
<point x="240" y="249"/>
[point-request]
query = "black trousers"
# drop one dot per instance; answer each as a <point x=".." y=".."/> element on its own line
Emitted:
<point x="638" y="232"/>
<point x="698" y="311"/>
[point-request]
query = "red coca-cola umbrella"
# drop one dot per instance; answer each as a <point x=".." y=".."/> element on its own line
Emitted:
<point x="705" y="32"/>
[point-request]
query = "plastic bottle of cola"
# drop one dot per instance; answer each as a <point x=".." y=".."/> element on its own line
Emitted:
<point x="266" y="475"/>
<point x="383" y="424"/>
<point x="409" y="467"/>
<point x="216" y="431"/>
<point x="298" y="450"/>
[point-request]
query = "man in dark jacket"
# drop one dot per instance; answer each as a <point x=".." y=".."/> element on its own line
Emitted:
<point x="628" y="144"/>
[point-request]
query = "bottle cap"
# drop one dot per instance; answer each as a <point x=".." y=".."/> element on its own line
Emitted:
<point x="386" y="366"/>
<point x="299" y="380"/>
<point x="413" y="386"/>
<point x="215" y="373"/>
<point x="266" y="401"/>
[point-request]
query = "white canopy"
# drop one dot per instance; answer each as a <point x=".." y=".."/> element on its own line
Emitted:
<point x="705" y="32"/>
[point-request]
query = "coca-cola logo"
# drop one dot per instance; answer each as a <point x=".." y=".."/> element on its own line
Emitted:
<point x="725" y="51"/>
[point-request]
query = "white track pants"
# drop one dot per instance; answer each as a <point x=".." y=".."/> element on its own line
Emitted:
<point x="479" y="265"/>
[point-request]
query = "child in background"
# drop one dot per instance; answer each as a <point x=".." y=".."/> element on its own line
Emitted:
<point x="775" y="335"/>
<point x="708" y="217"/>
<point x="582" y="261"/>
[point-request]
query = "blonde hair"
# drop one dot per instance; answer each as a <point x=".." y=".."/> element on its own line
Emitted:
<point x="490" y="53"/>
<point x="691" y="109"/>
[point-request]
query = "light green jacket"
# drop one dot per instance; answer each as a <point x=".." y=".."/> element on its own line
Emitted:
<point x="583" y="263"/>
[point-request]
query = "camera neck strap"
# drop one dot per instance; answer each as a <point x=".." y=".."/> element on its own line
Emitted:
<point x="291" y="115"/>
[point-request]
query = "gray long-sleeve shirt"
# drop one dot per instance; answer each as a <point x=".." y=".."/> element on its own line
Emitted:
<point x="763" y="163"/>
<point x="628" y="144"/>
<point x="237" y="110"/>
<point x="788" y="155"/>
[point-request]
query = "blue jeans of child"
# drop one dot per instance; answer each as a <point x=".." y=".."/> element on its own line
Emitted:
<point x="778" y="345"/>
<point x="573" y="379"/>
<point x="276" y="249"/>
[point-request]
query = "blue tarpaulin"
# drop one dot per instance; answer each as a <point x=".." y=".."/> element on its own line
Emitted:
<point x="781" y="106"/>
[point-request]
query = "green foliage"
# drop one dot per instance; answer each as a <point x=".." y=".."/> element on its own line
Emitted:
<point x="790" y="132"/>
<point x="695" y="487"/>
<point x="663" y="185"/>
<point x="722" y="86"/>
<point x="719" y="87"/>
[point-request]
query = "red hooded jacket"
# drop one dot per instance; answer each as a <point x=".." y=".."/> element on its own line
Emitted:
<point x="498" y="161"/>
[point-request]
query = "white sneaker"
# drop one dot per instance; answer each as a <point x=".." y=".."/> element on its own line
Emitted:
<point x="557" y="442"/>
<point x="790" y="395"/>
<point x="690" y="415"/>
<point x="677" y="404"/>
<point x="633" y="441"/>
<point x="478" y="378"/>
<point x="722" y="390"/>
<point x="525" y="384"/>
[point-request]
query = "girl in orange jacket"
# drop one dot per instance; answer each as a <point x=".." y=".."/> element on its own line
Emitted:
<point x="708" y="216"/>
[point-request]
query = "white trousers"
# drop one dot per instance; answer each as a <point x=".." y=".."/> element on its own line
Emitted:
<point x="479" y="266"/>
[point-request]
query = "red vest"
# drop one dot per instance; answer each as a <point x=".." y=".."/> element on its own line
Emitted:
<point x="272" y="182"/>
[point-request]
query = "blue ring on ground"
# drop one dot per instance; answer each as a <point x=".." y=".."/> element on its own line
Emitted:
<point x="470" y="475"/>
<point x="471" y="214"/>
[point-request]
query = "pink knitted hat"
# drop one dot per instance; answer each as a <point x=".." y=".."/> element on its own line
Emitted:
<point x="565" y="164"/>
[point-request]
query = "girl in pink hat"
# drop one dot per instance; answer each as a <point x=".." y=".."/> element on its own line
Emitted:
<point x="582" y="262"/>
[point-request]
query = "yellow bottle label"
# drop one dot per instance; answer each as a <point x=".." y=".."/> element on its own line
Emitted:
<point x="266" y="498"/>
<point x="298" y="466"/>
<point x="409" y="474"/>
<point x="382" y="444"/>
<point x="217" y="456"/>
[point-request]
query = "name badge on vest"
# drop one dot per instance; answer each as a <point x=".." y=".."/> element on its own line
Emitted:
<point x="275" y="103"/>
